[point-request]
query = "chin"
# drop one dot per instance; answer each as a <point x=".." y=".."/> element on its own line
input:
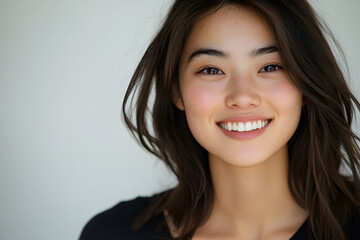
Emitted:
<point x="248" y="160"/>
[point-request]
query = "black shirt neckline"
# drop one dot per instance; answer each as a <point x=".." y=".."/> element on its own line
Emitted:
<point x="301" y="234"/>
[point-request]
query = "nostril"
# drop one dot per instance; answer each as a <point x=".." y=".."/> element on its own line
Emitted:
<point x="240" y="98"/>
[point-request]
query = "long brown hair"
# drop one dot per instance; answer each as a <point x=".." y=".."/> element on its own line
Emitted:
<point x="322" y="142"/>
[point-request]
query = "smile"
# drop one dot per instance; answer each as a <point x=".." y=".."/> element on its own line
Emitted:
<point x="244" y="126"/>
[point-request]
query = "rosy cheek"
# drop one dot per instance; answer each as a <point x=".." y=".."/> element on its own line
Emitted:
<point x="284" y="95"/>
<point x="199" y="97"/>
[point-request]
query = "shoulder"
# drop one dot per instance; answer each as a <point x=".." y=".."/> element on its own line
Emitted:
<point x="353" y="227"/>
<point x="117" y="222"/>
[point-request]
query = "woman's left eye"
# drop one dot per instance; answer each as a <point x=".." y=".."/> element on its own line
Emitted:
<point x="270" y="68"/>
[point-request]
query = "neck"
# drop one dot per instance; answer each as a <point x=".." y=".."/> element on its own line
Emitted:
<point x="256" y="197"/>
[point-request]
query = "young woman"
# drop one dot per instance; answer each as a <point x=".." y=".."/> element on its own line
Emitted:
<point x="253" y="116"/>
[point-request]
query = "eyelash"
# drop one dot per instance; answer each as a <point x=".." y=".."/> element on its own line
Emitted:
<point x="271" y="68"/>
<point x="268" y="68"/>
<point x="206" y="70"/>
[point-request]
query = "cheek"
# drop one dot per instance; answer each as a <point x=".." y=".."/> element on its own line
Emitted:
<point x="285" y="96"/>
<point x="199" y="98"/>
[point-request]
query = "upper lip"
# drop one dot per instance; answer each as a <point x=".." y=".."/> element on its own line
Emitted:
<point x="247" y="118"/>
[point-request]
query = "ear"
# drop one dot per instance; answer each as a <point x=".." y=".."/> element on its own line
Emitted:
<point x="177" y="99"/>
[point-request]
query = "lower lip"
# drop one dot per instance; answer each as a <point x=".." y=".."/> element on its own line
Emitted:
<point x="247" y="135"/>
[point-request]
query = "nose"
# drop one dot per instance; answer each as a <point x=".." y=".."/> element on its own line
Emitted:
<point x="242" y="93"/>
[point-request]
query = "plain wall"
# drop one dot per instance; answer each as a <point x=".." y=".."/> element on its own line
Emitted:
<point x="65" y="154"/>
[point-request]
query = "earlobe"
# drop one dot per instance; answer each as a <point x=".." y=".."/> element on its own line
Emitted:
<point x="179" y="103"/>
<point x="177" y="100"/>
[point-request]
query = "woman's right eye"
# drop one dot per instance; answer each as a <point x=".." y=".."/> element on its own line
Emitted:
<point x="210" y="71"/>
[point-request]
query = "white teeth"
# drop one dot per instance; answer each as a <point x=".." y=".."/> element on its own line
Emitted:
<point x="248" y="126"/>
<point x="229" y="126"/>
<point x="241" y="127"/>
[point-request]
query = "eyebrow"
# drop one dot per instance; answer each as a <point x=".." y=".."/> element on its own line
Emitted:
<point x="261" y="51"/>
<point x="218" y="53"/>
<point x="207" y="51"/>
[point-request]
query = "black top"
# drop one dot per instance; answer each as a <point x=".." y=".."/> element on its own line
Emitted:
<point x="116" y="223"/>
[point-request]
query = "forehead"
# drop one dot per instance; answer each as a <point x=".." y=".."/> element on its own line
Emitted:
<point x="230" y="28"/>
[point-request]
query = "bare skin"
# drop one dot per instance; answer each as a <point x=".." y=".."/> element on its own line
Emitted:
<point x="252" y="203"/>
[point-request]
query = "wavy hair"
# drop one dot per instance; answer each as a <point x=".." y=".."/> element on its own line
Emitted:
<point x="322" y="142"/>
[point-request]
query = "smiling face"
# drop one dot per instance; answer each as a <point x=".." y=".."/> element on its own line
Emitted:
<point x="239" y="103"/>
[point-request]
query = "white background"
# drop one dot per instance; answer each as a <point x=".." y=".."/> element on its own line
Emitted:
<point x="64" y="67"/>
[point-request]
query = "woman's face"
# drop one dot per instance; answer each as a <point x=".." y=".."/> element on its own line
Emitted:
<point x="239" y="103"/>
